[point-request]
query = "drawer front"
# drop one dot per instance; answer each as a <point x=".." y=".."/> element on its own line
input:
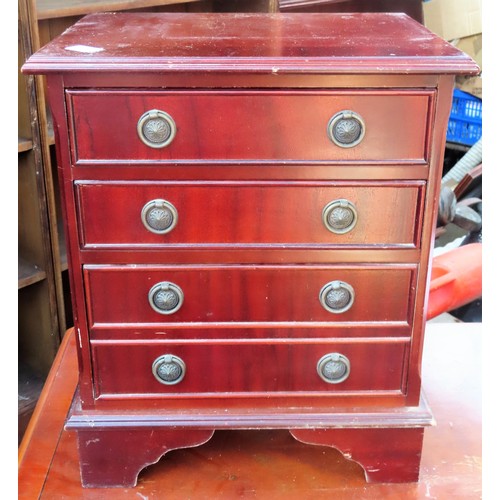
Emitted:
<point x="146" y="214"/>
<point x="235" y="125"/>
<point x="208" y="294"/>
<point x="187" y="369"/>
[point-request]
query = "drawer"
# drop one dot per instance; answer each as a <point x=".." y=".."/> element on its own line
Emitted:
<point x="147" y="214"/>
<point x="233" y="293"/>
<point x="220" y="126"/>
<point x="188" y="369"/>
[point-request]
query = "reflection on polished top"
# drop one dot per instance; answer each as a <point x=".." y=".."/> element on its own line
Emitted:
<point x="256" y="42"/>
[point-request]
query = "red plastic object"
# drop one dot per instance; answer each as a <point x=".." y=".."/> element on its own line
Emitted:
<point x="456" y="279"/>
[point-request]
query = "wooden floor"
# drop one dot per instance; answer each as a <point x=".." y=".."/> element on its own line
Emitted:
<point x="270" y="464"/>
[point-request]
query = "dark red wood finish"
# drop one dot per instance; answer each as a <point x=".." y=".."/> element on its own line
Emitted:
<point x="250" y="170"/>
<point x="387" y="456"/>
<point x="237" y="294"/>
<point x="266" y="332"/>
<point x="282" y="331"/>
<point x="235" y="125"/>
<point x="251" y="43"/>
<point x="247" y="367"/>
<point x="248" y="213"/>
<point x="125" y="449"/>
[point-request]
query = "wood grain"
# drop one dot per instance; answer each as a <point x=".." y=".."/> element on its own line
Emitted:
<point x="242" y="213"/>
<point x="254" y="293"/>
<point x="253" y="125"/>
<point x="239" y="368"/>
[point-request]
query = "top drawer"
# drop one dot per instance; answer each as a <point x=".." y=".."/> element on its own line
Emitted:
<point x="215" y="126"/>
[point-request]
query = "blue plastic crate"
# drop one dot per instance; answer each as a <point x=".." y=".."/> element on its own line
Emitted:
<point x="465" y="125"/>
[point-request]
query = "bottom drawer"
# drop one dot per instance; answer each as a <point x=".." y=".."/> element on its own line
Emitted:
<point x="176" y="369"/>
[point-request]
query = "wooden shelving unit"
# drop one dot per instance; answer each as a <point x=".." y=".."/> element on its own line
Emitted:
<point x="52" y="9"/>
<point x="24" y="144"/>
<point x="29" y="273"/>
<point x="39" y="331"/>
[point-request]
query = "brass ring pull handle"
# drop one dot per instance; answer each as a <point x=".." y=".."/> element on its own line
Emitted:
<point x="169" y="369"/>
<point x="159" y="216"/>
<point x="334" y="368"/>
<point x="166" y="297"/>
<point x="156" y="128"/>
<point x="337" y="297"/>
<point x="340" y="216"/>
<point x="346" y="129"/>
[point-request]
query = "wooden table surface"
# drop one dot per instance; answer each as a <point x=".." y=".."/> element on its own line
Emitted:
<point x="270" y="464"/>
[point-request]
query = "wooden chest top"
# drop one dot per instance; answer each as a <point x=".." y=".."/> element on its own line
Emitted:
<point x="279" y="43"/>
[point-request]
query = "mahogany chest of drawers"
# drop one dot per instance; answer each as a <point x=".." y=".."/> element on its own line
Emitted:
<point x="250" y="204"/>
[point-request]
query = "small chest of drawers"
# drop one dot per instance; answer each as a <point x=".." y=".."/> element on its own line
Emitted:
<point x="250" y="204"/>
